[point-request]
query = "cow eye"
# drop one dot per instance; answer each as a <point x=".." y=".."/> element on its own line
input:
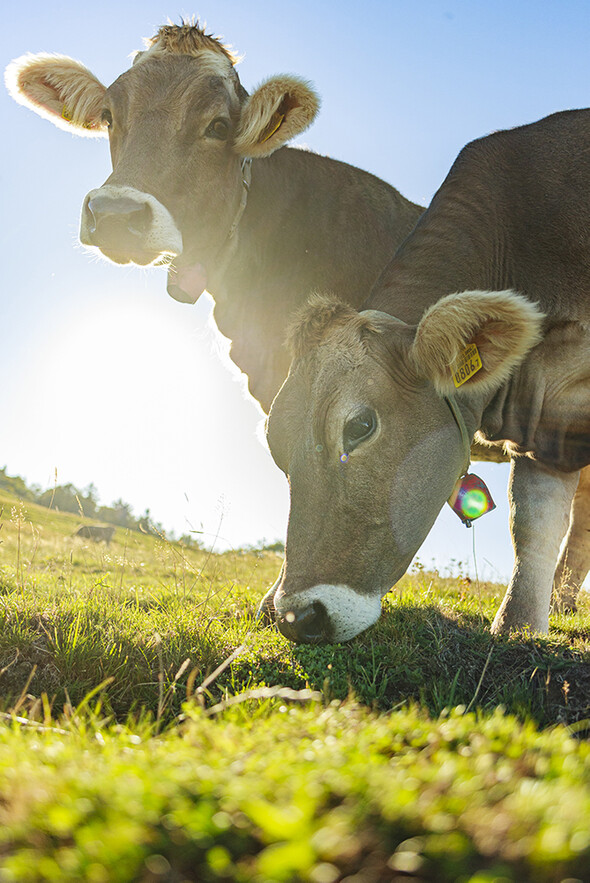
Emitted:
<point x="359" y="428"/>
<point x="107" y="118"/>
<point x="219" y="129"/>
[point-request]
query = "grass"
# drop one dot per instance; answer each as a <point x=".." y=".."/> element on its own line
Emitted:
<point x="316" y="793"/>
<point x="153" y="732"/>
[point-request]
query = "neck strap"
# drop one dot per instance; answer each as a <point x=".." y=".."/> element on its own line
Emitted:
<point x="456" y="412"/>
<point x="246" y="178"/>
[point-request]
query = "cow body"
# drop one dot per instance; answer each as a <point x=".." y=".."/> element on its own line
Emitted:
<point x="95" y="532"/>
<point x="363" y="425"/>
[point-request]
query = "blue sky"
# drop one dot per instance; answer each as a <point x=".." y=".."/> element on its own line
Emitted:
<point x="108" y="380"/>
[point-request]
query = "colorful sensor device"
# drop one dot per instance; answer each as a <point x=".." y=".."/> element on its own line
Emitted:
<point x="471" y="498"/>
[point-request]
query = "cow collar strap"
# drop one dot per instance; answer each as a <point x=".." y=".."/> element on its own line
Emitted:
<point x="456" y="412"/>
<point x="470" y="498"/>
<point x="196" y="276"/>
<point x="246" y="169"/>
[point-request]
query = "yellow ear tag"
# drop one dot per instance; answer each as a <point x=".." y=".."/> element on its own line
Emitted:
<point x="468" y="364"/>
<point x="68" y="116"/>
<point x="275" y="124"/>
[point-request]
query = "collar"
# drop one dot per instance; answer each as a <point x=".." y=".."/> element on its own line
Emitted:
<point x="246" y="179"/>
<point x="458" y="416"/>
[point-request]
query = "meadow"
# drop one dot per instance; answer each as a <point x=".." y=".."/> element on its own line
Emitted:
<point x="151" y="730"/>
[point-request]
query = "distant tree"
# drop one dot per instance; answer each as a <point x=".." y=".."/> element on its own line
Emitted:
<point x="120" y="513"/>
<point x="278" y="547"/>
<point x="14" y="484"/>
<point x="89" y="499"/>
<point x="190" y="541"/>
<point x="146" y="524"/>
<point x="62" y="498"/>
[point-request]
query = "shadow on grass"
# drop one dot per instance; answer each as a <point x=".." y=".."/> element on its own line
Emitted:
<point x="417" y="653"/>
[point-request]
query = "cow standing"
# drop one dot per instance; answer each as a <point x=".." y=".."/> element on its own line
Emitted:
<point x="369" y="425"/>
<point x="95" y="532"/>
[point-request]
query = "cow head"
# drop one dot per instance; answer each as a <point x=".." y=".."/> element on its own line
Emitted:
<point x="182" y="131"/>
<point x="372" y="449"/>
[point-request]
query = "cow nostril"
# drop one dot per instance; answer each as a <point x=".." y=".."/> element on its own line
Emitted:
<point x="110" y="218"/>
<point x="307" y="626"/>
<point x="90" y="218"/>
<point x="139" y="220"/>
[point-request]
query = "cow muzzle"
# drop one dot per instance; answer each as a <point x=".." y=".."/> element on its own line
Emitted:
<point x="325" y="613"/>
<point x="129" y="226"/>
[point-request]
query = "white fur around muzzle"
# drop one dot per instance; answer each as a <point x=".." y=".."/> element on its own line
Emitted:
<point x="350" y="613"/>
<point x="163" y="235"/>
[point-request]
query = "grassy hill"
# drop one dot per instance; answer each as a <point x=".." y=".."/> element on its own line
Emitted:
<point x="153" y="732"/>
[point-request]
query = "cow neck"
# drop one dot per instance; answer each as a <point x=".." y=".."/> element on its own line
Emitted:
<point x="305" y="227"/>
<point x="290" y="230"/>
<point x="228" y="249"/>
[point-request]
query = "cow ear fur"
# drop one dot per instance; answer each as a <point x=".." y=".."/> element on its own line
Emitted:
<point x="60" y="90"/>
<point x="502" y="324"/>
<point x="276" y="112"/>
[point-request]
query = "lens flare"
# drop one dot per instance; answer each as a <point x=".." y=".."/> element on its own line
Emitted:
<point x="471" y="499"/>
<point x="475" y="504"/>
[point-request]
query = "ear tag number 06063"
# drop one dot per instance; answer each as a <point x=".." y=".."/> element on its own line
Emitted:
<point x="468" y="363"/>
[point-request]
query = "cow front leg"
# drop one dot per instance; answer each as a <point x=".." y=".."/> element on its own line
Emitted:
<point x="574" y="561"/>
<point x="540" y="503"/>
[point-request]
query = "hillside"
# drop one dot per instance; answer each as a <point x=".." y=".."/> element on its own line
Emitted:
<point x="80" y="612"/>
<point x="83" y="502"/>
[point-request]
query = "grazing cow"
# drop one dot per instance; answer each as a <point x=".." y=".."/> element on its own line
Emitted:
<point x="96" y="533"/>
<point x="369" y="426"/>
<point x="258" y="234"/>
<point x="199" y="183"/>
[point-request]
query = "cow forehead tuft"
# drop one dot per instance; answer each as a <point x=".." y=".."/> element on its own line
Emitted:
<point x="324" y="318"/>
<point x="184" y="39"/>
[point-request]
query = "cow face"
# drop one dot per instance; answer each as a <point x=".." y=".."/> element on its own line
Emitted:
<point x="181" y="129"/>
<point x="371" y="447"/>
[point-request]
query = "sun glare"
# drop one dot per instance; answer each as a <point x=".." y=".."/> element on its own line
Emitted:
<point x="139" y="396"/>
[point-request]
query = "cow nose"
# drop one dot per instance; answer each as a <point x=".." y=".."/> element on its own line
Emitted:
<point x="310" y="625"/>
<point x="120" y="223"/>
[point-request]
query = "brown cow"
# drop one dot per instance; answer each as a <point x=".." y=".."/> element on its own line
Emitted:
<point x="199" y="183"/>
<point x="95" y="532"/>
<point x="369" y="426"/>
<point x="260" y="236"/>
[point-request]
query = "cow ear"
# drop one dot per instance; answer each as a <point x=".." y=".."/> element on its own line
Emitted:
<point x="60" y="90"/>
<point x="502" y="325"/>
<point x="277" y="111"/>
